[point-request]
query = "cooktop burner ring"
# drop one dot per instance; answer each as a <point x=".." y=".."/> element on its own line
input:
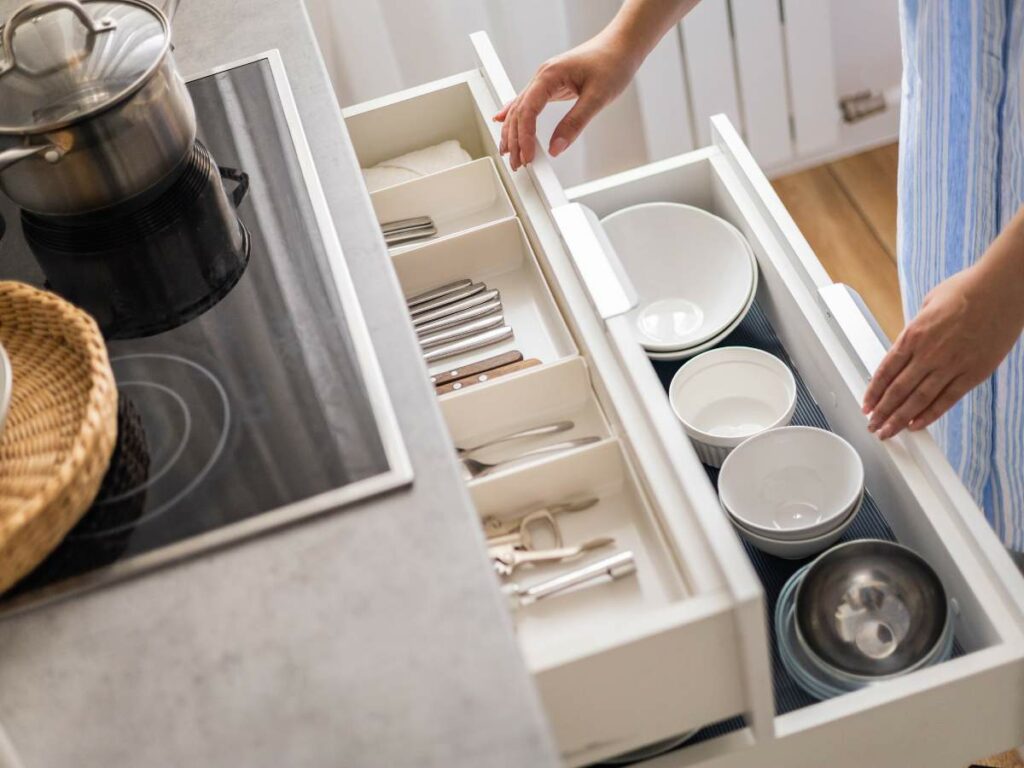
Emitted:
<point x="178" y="451"/>
<point x="173" y="487"/>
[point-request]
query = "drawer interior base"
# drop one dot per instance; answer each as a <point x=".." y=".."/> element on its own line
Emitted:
<point x="756" y="331"/>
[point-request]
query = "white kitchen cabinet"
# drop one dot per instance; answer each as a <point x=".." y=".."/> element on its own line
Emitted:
<point x="687" y="644"/>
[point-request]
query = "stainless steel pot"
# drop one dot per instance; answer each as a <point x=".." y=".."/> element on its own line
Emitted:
<point x="93" y="110"/>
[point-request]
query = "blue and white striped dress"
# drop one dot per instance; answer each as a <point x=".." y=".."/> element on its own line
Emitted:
<point x="961" y="180"/>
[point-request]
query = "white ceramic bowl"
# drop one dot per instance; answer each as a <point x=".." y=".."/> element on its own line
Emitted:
<point x="789" y="536"/>
<point x="6" y="382"/>
<point x="791" y="482"/>
<point x="683" y="354"/>
<point x="693" y="271"/>
<point x="724" y="396"/>
<point x="798" y="549"/>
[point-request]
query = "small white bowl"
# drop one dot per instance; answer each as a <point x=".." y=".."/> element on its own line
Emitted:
<point x="6" y="382"/>
<point x="792" y="482"/>
<point x="727" y="395"/>
<point x="794" y="550"/>
<point x="842" y="521"/>
<point x="693" y="271"/>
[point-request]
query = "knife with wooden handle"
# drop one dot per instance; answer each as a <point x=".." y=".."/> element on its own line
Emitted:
<point x="457" y="318"/>
<point x="436" y="293"/>
<point x="470" y="343"/>
<point x="476" y="367"/>
<point x="457" y="332"/>
<point x="474" y="300"/>
<point x="480" y="378"/>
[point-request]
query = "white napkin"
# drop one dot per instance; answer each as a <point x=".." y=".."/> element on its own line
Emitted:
<point x="413" y="165"/>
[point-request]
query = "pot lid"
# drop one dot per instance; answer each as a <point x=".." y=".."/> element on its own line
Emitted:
<point x="63" y="60"/>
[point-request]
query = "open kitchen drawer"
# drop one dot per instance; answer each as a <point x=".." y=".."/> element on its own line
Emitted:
<point x="699" y="652"/>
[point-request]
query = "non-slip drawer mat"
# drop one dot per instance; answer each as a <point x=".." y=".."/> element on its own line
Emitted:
<point x="756" y="331"/>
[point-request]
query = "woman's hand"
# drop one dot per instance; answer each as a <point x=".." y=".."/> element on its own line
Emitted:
<point x="593" y="73"/>
<point x="966" y="327"/>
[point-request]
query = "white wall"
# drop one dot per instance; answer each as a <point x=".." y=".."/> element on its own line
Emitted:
<point x="374" y="47"/>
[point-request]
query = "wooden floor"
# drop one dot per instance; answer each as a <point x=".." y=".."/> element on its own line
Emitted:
<point x="847" y="212"/>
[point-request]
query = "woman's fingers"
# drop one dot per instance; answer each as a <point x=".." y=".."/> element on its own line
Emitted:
<point x="499" y="116"/>
<point x="921" y="397"/>
<point x="896" y="391"/>
<point x="890" y="367"/>
<point x="528" y="106"/>
<point x="513" y="138"/>
<point x="946" y="400"/>
<point x="575" y="120"/>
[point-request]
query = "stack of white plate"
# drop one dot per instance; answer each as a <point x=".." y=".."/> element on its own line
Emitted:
<point x="792" y="491"/>
<point x="695" y="274"/>
<point x="729" y="394"/>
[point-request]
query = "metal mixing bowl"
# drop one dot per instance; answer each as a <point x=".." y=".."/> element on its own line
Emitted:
<point x="871" y="608"/>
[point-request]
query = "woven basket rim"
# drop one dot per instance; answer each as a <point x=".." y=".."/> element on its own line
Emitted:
<point x="81" y="331"/>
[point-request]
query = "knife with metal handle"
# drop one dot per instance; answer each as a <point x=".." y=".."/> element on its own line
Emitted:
<point x="457" y="318"/>
<point x="523" y="434"/>
<point x="476" y="368"/>
<point x="436" y="293"/>
<point x="461" y="331"/>
<point x="611" y="568"/>
<point x="448" y="299"/>
<point x="415" y="222"/>
<point x="410" y="235"/>
<point x="485" y="339"/>
<point x="473" y="300"/>
<point x="480" y="378"/>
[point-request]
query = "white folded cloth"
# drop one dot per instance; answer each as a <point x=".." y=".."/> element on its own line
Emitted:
<point x="413" y="165"/>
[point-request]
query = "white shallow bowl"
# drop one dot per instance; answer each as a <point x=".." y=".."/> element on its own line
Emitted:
<point x="843" y="520"/>
<point x="799" y="548"/>
<point x="693" y="271"/>
<point x="6" y="382"/>
<point x="724" y="396"/>
<point x="683" y="354"/>
<point x="791" y="482"/>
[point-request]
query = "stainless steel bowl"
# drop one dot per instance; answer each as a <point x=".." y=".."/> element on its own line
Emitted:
<point x="871" y="608"/>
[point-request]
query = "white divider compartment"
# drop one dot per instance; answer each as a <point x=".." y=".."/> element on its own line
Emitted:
<point x="458" y="199"/>
<point x="532" y="398"/>
<point x="500" y="256"/>
<point x="621" y="664"/>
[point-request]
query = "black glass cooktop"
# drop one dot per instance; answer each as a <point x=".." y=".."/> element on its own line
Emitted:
<point x="263" y="396"/>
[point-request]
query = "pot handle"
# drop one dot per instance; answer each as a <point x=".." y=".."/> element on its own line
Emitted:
<point x="9" y="157"/>
<point x="241" y="178"/>
<point x="39" y="8"/>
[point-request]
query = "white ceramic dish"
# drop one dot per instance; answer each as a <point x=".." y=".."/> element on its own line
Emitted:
<point x="791" y="482"/>
<point x="800" y="548"/>
<point x="693" y="271"/>
<point x="683" y="354"/>
<point x="729" y="394"/>
<point x="788" y="535"/>
<point x="6" y="384"/>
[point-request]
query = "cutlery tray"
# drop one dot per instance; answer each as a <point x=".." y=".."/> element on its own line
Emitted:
<point x="457" y="199"/>
<point x="500" y="256"/>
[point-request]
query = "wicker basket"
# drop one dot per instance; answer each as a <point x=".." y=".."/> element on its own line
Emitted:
<point x="61" y="427"/>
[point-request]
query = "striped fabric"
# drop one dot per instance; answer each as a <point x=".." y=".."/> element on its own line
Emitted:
<point x="961" y="179"/>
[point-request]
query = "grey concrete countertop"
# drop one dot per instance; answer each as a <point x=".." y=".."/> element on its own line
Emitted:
<point x="374" y="636"/>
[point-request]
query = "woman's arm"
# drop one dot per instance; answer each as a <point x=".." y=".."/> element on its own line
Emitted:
<point x="966" y="327"/>
<point x="593" y="73"/>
